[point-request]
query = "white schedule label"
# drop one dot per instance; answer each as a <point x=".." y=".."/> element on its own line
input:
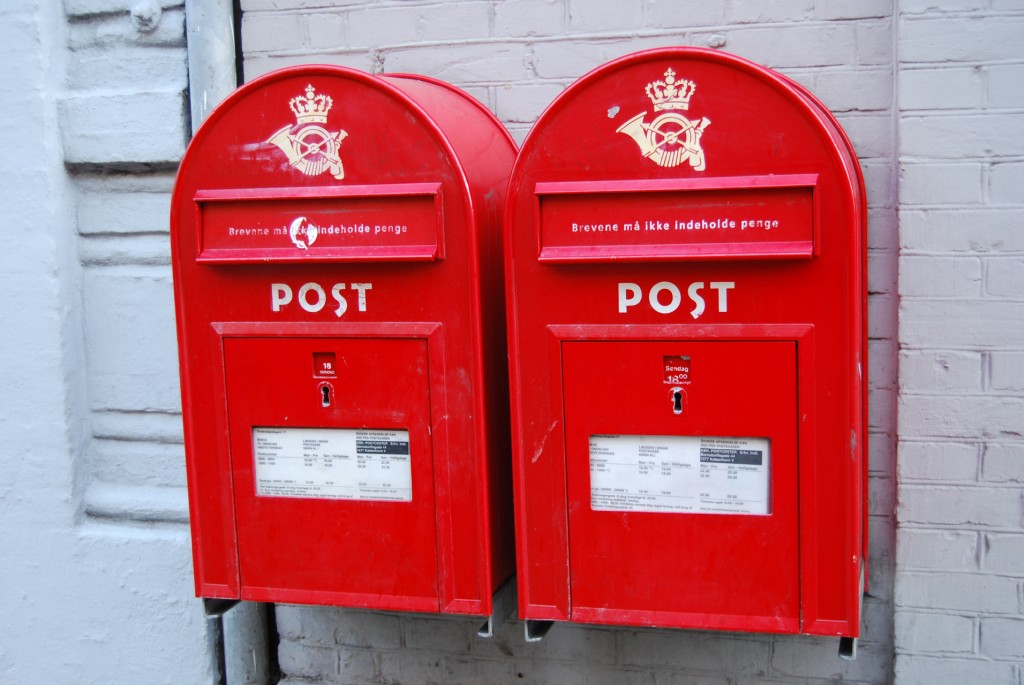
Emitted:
<point x="679" y="474"/>
<point x="333" y="463"/>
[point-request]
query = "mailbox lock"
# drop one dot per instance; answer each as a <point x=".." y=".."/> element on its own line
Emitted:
<point x="677" y="400"/>
<point x="326" y="394"/>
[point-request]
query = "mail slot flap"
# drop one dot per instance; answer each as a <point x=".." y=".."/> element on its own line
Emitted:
<point x="741" y="217"/>
<point x="390" y="222"/>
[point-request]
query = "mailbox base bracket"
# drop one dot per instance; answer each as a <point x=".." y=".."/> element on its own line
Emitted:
<point x="502" y="605"/>
<point x="215" y="608"/>
<point x="534" y="631"/>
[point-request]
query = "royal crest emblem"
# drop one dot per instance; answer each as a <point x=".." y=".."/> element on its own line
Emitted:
<point x="310" y="147"/>
<point x="670" y="139"/>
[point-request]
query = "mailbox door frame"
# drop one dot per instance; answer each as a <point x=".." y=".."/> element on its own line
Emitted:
<point x="432" y="336"/>
<point x="802" y="336"/>
<point x="668" y="557"/>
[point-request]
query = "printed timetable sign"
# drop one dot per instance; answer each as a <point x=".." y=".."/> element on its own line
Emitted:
<point x="333" y="463"/>
<point x="680" y="474"/>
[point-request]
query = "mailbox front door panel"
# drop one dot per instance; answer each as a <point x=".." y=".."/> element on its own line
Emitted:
<point x="332" y="464"/>
<point x="682" y="483"/>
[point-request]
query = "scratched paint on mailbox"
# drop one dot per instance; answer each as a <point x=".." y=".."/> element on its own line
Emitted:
<point x="679" y="474"/>
<point x="333" y="463"/>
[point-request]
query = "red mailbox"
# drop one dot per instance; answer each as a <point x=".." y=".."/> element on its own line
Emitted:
<point x="685" y="244"/>
<point x="338" y="283"/>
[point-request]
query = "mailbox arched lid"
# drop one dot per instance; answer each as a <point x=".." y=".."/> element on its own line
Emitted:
<point x="683" y="110"/>
<point x="322" y="133"/>
<point x="699" y="121"/>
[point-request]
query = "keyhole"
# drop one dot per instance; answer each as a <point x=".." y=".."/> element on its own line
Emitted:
<point x="677" y="400"/>
<point x="325" y="395"/>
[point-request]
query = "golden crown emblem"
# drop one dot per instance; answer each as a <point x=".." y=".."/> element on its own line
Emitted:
<point x="670" y="93"/>
<point x="312" y="108"/>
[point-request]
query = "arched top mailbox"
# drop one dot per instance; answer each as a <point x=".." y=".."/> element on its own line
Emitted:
<point x="685" y="243"/>
<point x="395" y="141"/>
<point x="338" y="275"/>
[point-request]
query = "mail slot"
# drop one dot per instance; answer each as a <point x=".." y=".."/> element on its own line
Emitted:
<point x="338" y="272"/>
<point x="685" y="244"/>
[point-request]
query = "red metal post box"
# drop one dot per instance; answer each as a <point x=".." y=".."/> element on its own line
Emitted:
<point x="338" y="281"/>
<point x="685" y="245"/>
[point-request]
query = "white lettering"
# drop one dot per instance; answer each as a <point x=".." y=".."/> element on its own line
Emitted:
<point x="248" y="231"/>
<point x="361" y="289"/>
<point x="280" y="295"/>
<point x="629" y="295"/>
<point x="321" y="297"/>
<point x="339" y="298"/>
<point x="595" y="228"/>
<point x="698" y="302"/>
<point x="396" y="230"/>
<point x="723" y="293"/>
<point x="766" y="224"/>
<point x="312" y="297"/>
<point x="675" y="297"/>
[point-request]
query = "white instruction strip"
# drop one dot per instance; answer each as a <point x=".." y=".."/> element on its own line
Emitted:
<point x="333" y="463"/>
<point x="680" y="474"/>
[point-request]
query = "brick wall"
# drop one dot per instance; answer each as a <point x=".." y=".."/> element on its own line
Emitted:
<point x="92" y="485"/>
<point x="124" y="128"/>
<point x="95" y="561"/>
<point x="516" y="56"/>
<point x="96" y="564"/>
<point x="960" y="540"/>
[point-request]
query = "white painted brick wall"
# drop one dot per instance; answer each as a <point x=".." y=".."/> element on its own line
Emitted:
<point x="952" y="669"/>
<point x="935" y="276"/>
<point x="955" y="550"/>
<point x="517" y="18"/>
<point x="516" y="56"/>
<point x="127" y="357"/>
<point x="944" y="371"/>
<point x="1003" y="278"/>
<point x="96" y="553"/>
<point x="1002" y="551"/>
<point x="942" y="184"/>
<point x="936" y="633"/>
<point x="124" y="127"/>
<point x="954" y="87"/>
<point x="960" y="538"/>
<point x="947" y="460"/>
